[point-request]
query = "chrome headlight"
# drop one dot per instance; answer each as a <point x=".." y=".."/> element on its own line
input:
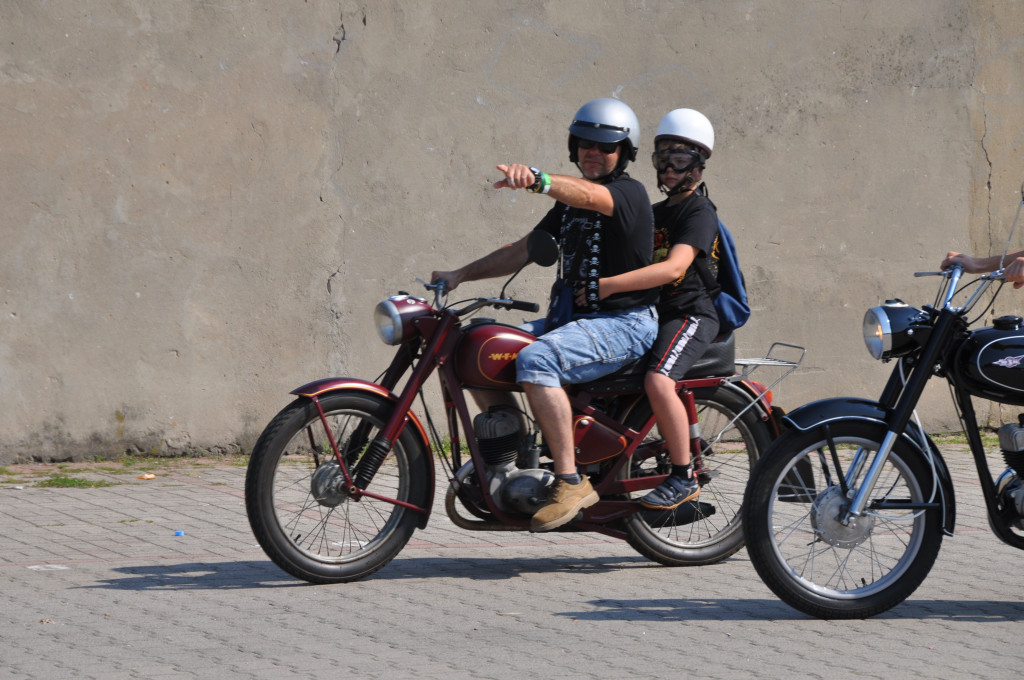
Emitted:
<point x="394" y="318"/>
<point x="888" y="329"/>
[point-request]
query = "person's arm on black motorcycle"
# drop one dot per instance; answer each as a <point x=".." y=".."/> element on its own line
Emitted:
<point x="501" y="262"/>
<point x="1014" y="270"/>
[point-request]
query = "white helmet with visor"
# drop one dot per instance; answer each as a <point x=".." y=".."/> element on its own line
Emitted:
<point x="689" y="126"/>
<point x="690" y="140"/>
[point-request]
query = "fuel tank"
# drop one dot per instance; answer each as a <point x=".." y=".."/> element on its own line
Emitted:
<point x="486" y="355"/>
<point x="990" y="363"/>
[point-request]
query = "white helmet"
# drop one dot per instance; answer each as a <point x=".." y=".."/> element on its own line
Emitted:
<point x="689" y="126"/>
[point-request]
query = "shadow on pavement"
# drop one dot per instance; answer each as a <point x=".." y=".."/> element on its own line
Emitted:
<point x="678" y="609"/>
<point x="200" y="576"/>
<point x="501" y="568"/>
<point x="251" y="574"/>
<point x="265" y="574"/>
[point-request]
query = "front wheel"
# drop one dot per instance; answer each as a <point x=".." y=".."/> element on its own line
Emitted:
<point x="299" y="509"/>
<point x="804" y="548"/>
<point x="708" y="529"/>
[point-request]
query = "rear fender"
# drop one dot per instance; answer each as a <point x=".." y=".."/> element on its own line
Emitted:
<point x="762" y="408"/>
<point x="829" y="411"/>
<point x="319" y="388"/>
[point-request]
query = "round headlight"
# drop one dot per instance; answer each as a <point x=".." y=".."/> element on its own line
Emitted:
<point x="388" y="322"/>
<point x="877" y="333"/>
<point x="394" y="318"/>
<point x="887" y="329"/>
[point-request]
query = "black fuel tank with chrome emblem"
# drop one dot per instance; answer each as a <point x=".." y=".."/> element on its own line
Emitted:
<point x="990" y="363"/>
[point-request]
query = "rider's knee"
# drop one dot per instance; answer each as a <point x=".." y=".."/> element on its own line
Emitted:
<point x="538" y="364"/>
<point x="658" y="383"/>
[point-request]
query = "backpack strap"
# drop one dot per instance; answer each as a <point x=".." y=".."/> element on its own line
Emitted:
<point x="700" y="263"/>
<point x="710" y="282"/>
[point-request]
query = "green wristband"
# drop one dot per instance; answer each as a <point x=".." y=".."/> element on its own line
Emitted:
<point x="541" y="182"/>
<point x="539" y="179"/>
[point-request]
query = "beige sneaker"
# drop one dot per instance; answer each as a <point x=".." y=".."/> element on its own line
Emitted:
<point x="563" y="504"/>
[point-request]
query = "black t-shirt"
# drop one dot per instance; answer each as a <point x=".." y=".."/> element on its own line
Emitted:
<point x="595" y="245"/>
<point x="693" y="222"/>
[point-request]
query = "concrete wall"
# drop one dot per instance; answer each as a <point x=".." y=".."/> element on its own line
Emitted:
<point x="201" y="202"/>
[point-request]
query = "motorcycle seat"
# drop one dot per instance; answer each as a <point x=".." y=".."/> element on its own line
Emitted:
<point x="718" y="360"/>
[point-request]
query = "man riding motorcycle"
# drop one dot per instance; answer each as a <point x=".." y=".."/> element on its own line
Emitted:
<point x="605" y="227"/>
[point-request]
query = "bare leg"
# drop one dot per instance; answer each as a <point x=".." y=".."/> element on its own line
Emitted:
<point x="671" y="416"/>
<point x="550" y="406"/>
<point x="486" y="399"/>
<point x="675" y="430"/>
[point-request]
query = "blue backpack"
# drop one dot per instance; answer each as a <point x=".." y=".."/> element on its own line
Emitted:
<point x="726" y="285"/>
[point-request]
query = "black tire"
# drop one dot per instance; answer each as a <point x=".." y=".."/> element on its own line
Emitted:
<point x="333" y="539"/>
<point x="709" y="529"/>
<point x="810" y="560"/>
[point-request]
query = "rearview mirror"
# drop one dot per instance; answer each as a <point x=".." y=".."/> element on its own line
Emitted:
<point x="542" y="248"/>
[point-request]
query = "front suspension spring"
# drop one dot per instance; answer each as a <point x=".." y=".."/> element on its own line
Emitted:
<point x="371" y="461"/>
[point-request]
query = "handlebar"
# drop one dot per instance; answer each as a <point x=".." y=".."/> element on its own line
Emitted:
<point x="958" y="270"/>
<point x="440" y="289"/>
<point x="523" y="306"/>
<point x="949" y="288"/>
<point x="499" y="303"/>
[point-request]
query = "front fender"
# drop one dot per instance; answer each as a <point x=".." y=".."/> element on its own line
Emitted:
<point x="828" y="411"/>
<point x="817" y="413"/>
<point x="318" y="388"/>
<point x="325" y="385"/>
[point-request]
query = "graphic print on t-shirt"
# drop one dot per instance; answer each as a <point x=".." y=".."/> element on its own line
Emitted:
<point x="581" y="248"/>
<point x="661" y="248"/>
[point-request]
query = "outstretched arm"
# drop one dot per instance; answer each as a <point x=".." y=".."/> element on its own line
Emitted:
<point x="972" y="265"/>
<point x="1014" y="264"/>
<point x="574" y="191"/>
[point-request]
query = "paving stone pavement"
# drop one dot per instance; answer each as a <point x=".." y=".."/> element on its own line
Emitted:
<point x="97" y="585"/>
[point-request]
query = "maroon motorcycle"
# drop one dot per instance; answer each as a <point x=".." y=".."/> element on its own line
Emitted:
<point x="343" y="475"/>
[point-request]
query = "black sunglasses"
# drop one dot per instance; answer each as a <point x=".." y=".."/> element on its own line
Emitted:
<point x="603" y="147"/>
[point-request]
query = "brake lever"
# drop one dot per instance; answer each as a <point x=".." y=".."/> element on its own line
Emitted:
<point x="440" y="290"/>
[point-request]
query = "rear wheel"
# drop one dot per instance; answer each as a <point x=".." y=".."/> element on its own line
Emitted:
<point x="708" y="529"/>
<point x="299" y="509"/>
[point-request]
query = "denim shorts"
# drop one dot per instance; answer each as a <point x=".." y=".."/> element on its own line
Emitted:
<point x="587" y="348"/>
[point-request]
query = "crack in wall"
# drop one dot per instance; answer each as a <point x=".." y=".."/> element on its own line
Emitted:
<point x="988" y="179"/>
<point x="331" y="278"/>
<point x="341" y="33"/>
<point x="339" y="37"/>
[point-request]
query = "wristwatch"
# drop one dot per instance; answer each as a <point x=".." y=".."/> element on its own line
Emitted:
<point x="535" y="187"/>
<point x="541" y="182"/>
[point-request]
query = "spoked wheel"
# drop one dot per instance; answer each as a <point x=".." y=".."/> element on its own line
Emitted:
<point x="299" y="507"/>
<point x="804" y="548"/>
<point x="708" y="529"/>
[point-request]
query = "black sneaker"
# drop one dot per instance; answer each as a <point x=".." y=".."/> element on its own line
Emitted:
<point x="671" y="493"/>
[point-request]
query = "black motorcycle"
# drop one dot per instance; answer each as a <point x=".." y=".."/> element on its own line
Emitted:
<point x="845" y="512"/>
